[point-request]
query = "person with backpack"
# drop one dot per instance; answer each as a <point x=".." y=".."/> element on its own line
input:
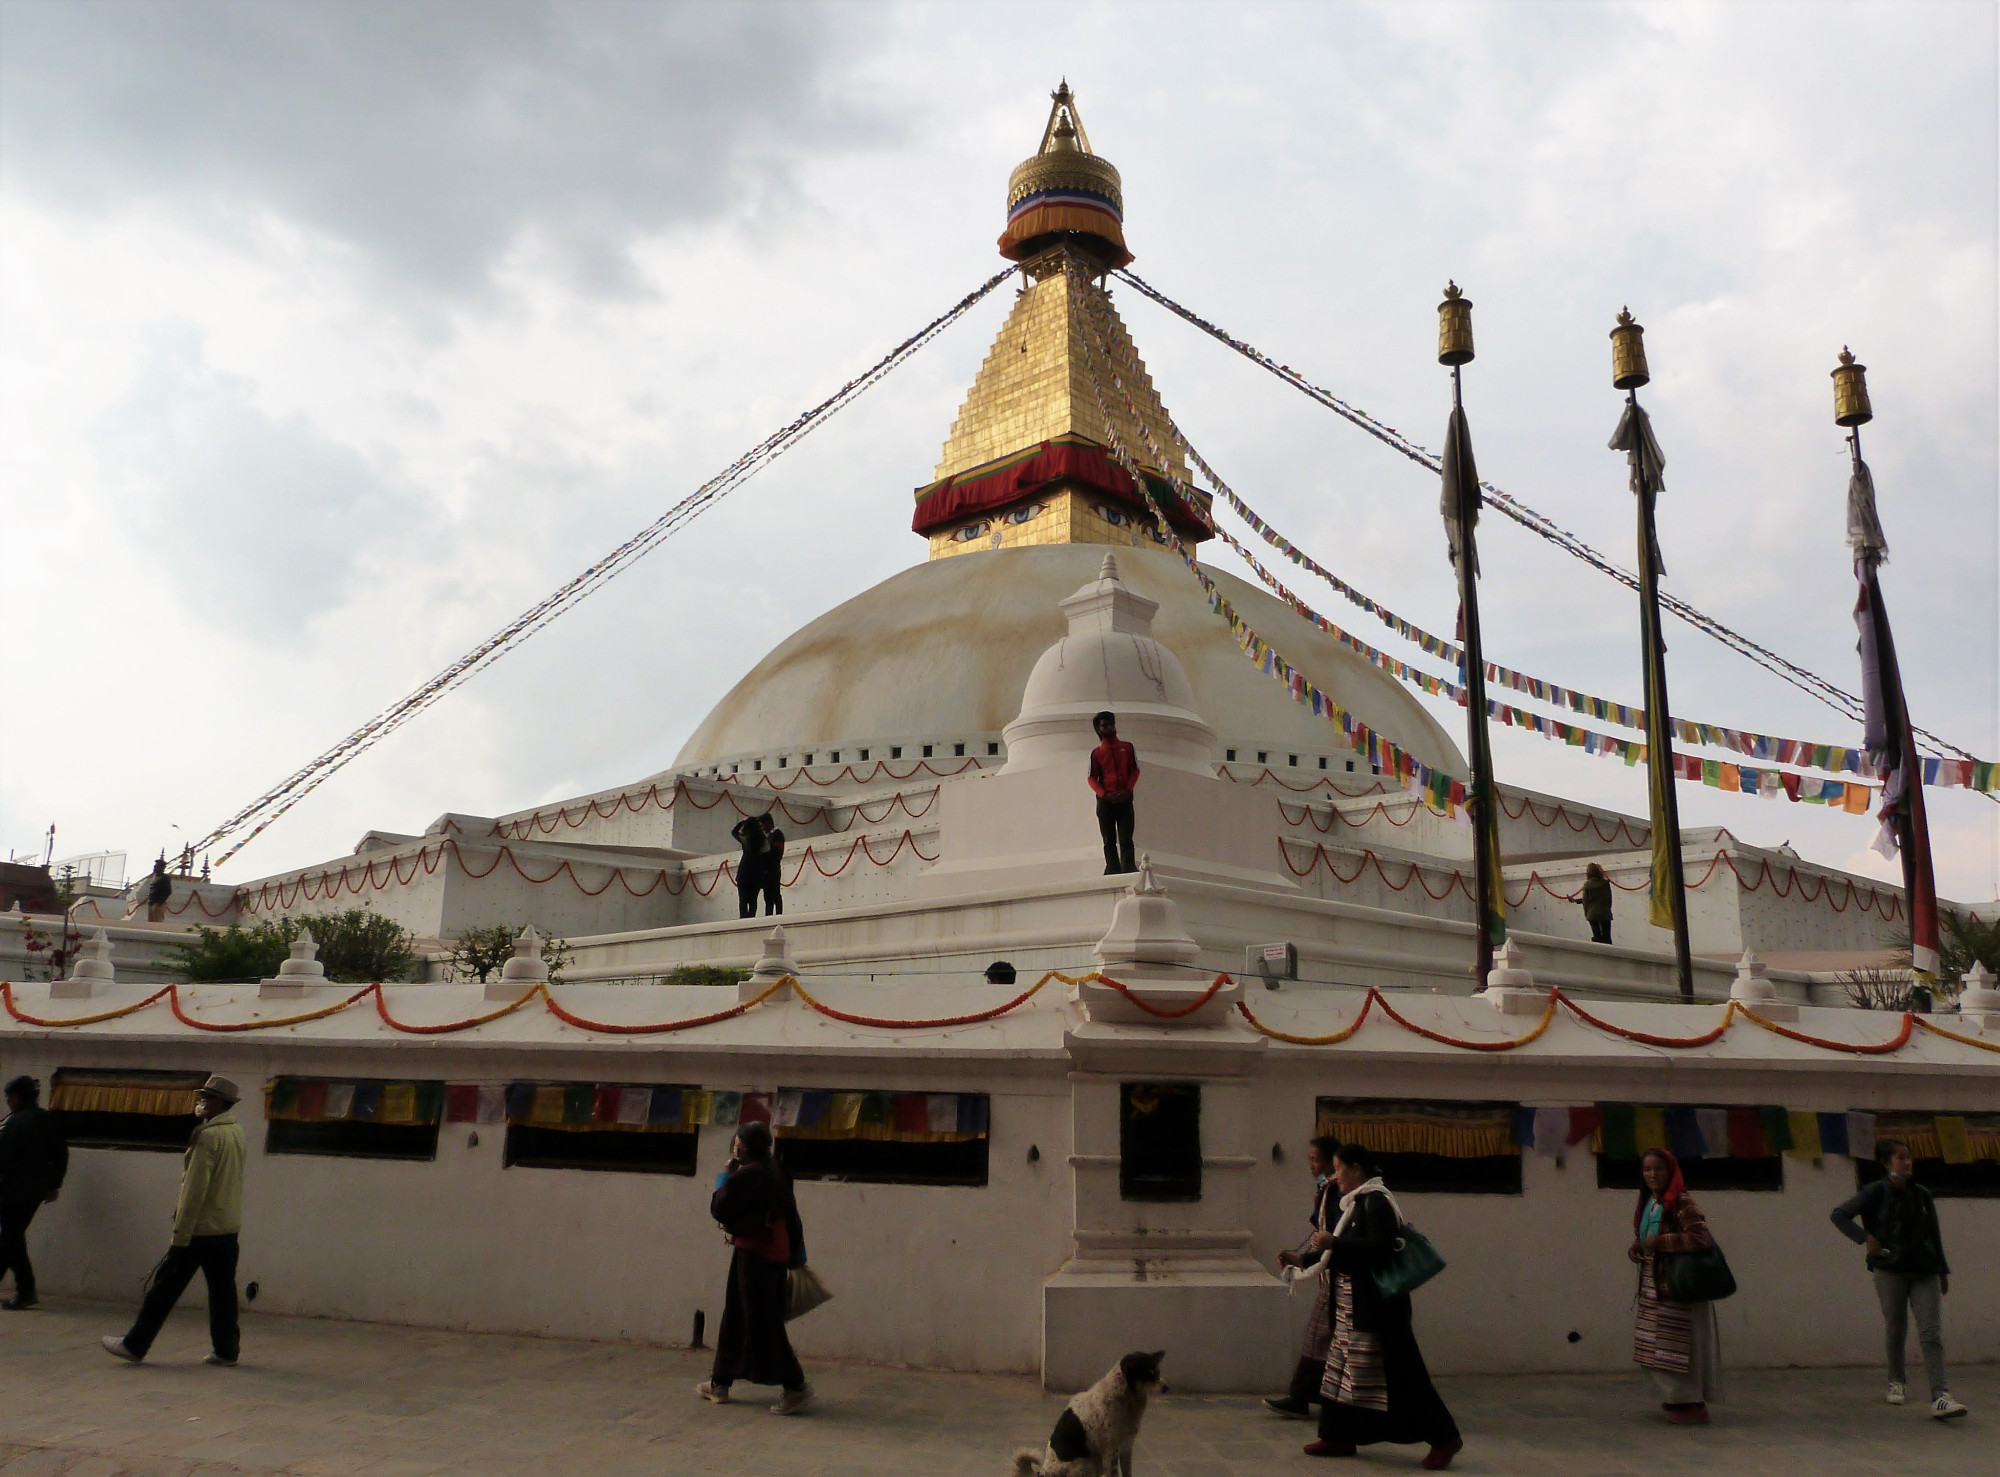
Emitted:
<point x="1898" y="1223"/>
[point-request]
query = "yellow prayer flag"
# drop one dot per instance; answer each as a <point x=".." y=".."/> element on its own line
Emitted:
<point x="846" y="1111"/>
<point x="399" y="1103"/>
<point x="1805" y="1134"/>
<point x="1854" y="799"/>
<point x="548" y="1105"/>
<point x="1649" y="1129"/>
<point x="1953" y="1139"/>
<point x="697" y="1105"/>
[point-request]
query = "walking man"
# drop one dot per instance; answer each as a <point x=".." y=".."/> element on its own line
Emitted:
<point x="33" y="1161"/>
<point x="774" y="856"/>
<point x="1899" y="1226"/>
<point x="207" y="1218"/>
<point x="1114" y="772"/>
<point x="749" y="834"/>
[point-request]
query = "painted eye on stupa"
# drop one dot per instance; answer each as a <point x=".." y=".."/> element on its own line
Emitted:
<point x="1156" y="535"/>
<point x="1022" y="514"/>
<point x="1116" y="517"/>
<point x="970" y="532"/>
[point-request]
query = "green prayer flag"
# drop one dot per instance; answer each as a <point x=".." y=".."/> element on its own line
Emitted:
<point x="1777" y="1129"/>
<point x="1620" y="1123"/>
<point x="576" y="1102"/>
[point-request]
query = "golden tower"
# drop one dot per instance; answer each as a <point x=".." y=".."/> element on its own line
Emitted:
<point x="1028" y="459"/>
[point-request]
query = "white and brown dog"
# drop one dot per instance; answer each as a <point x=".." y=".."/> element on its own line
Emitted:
<point x="1094" y="1436"/>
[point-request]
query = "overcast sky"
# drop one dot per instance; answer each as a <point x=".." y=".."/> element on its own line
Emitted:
<point x="331" y="336"/>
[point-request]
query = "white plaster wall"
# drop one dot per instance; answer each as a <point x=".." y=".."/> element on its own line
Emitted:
<point x="139" y="950"/>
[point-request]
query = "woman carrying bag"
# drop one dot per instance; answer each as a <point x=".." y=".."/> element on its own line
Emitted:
<point x="1681" y="1273"/>
<point x="753" y="1201"/>
<point x="1376" y="1387"/>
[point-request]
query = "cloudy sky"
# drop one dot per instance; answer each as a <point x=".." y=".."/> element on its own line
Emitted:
<point x="331" y="336"/>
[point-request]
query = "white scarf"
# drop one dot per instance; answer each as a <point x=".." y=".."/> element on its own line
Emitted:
<point x="1371" y="1186"/>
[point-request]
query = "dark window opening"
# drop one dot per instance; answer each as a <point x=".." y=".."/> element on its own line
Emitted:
<point x="630" y="1151"/>
<point x="1322" y="761"/>
<point x="927" y="751"/>
<point x="1229" y="755"/>
<point x="1350" y="766"/>
<point x="895" y="751"/>
<point x="1979" y="1180"/>
<point x="784" y="761"/>
<point x="1159" y="1141"/>
<point x="864" y="756"/>
<point x="1441" y="1174"/>
<point x="157" y="1131"/>
<point x="347" y="1138"/>
<point x="1292" y="761"/>
<point x="992" y="749"/>
<point x="1263" y="756"/>
<point x="958" y="751"/>
<point x="756" y="763"/>
<point x="1701" y="1174"/>
<point x="884" y="1161"/>
<point x="109" y="1109"/>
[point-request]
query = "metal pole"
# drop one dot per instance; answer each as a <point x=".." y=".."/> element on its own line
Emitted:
<point x="1484" y="801"/>
<point x="1659" y="732"/>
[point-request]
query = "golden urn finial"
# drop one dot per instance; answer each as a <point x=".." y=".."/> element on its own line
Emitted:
<point x="1628" y="353"/>
<point x="1065" y="192"/>
<point x="1454" y="327"/>
<point x="1850" y="392"/>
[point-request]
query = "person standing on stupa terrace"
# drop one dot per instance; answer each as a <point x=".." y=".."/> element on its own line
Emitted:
<point x="748" y="833"/>
<point x="1114" y="774"/>
<point x="774" y="856"/>
<point x="1597" y="903"/>
<point x="207" y="1218"/>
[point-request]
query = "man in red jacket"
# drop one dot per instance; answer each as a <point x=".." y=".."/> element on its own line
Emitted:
<point x="1114" y="772"/>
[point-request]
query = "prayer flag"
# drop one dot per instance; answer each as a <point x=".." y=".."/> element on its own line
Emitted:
<point x="972" y="1110"/>
<point x="665" y="1109"/>
<point x="1805" y="1135"/>
<point x="399" y="1103"/>
<point x="633" y="1105"/>
<point x="548" y="1105"/>
<point x="1619" y="1141"/>
<point x="339" y="1100"/>
<point x="461" y="1102"/>
<point x="1649" y="1129"/>
<point x="520" y="1102"/>
<point x="367" y="1102"/>
<point x="1953" y="1140"/>
<point x="912" y="1116"/>
<point x="1777" y="1126"/>
<point x="280" y="1099"/>
<point x="875" y="1109"/>
<point x="492" y="1103"/>
<point x="1684" y="1134"/>
<point x="577" y="1099"/>
<point x="1833" y="1134"/>
<point x="942" y="1109"/>
<point x="604" y="1104"/>
<point x="697" y="1106"/>
<point x="1552" y="1131"/>
<point x="846" y="1110"/>
<point x="813" y="1108"/>
<point x="1746" y="1134"/>
<point x="789" y="1102"/>
<point x="726" y="1108"/>
<point x="1521" y="1128"/>
<point x="754" y="1107"/>
<point x="1861" y="1135"/>
<point x="1584" y="1120"/>
<point x="310" y="1104"/>
<point x="1714" y="1126"/>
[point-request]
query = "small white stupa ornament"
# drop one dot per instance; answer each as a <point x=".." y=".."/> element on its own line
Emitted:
<point x="524" y="971"/>
<point x="300" y="972"/>
<point x="93" y="971"/>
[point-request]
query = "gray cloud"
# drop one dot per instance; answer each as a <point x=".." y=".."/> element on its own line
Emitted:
<point x="432" y="137"/>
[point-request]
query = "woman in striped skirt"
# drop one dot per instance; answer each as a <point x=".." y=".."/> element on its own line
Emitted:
<point x="1375" y="1387"/>
<point x="1675" y="1343"/>
<point x="1301" y="1264"/>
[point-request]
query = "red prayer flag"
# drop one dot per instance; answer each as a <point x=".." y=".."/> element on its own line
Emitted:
<point x="461" y="1102"/>
<point x="311" y="1104"/>
<point x="912" y="1113"/>
<point x="1746" y="1135"/>
<point x="1583" y="1122"/>
<point x="756" y="1108"/>
<point x="604" y="1105"/>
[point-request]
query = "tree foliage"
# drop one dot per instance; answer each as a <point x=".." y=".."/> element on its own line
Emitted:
<point x="480" y="953"/>
<point x="1965" y="939"/>
<point x="357" y="946"/>
<point x="705" y="974"/>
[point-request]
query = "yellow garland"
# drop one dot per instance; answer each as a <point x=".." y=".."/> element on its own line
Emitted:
<point x="1955" y="1036"/>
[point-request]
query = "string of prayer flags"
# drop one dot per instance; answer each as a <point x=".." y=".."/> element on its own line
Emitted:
<point x="813" y="1112"/>
<point x="903" y="1116"/>
<point x="315" y="1100"/>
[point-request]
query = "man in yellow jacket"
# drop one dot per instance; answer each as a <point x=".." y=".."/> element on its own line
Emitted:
<point x="207" y="1217"/>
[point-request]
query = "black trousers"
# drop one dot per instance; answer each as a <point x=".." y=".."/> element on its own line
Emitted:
<point x="1114" y="824"/>
<point x="748" y="884"/>
<point x="15" y="1213"/>
<point x="774" y="892"/>
<point x="1600" y="930"/>
<point x="215" y="1256"/>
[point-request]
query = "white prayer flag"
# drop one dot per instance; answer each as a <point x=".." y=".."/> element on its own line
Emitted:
<point x="1861" y="1135"/>
<point x="633" y="1103"/>
<point x="941" y="1112"/>
<point x="339" y="1099"/>
<point x="786" y="1114"/>
<point x="492" y="1103"/>
<point x="1551" y="1129"/>
<point x="1714" y="1126"/>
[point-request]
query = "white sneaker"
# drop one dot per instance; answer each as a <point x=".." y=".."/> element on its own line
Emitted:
<point x="1896" y="1393"/>
<point x="793" y="1401"/>
<point x="1944" y="1408"/>
<point x="116" y="1346"/>
<point x="709" y="1390"/>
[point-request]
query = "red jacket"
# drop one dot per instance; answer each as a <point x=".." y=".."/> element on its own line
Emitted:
<point x="1114" y="768"/>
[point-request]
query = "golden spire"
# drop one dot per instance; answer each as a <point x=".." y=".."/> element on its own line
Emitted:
<point x="1064" y="192"/>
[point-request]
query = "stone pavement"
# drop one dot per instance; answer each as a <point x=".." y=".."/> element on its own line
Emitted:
<point x="321" y="1397"/>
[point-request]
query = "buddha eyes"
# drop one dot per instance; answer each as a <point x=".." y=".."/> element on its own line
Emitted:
<point x="1022" y="514"/>
<point x="970" y="532"/>
<point x="1116" y="517"/>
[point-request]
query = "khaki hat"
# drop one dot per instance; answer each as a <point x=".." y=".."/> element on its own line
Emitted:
<point x="223" y="1088"/>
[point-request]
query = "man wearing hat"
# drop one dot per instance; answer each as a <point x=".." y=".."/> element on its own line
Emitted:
<point x="33" y="1161"/>
<point x="207" y="1217"/>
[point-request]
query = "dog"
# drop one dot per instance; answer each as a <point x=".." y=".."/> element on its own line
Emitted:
<point x="1094" y="1436"/>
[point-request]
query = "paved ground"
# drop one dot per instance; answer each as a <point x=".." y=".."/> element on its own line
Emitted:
<point x="317" y="1397"/>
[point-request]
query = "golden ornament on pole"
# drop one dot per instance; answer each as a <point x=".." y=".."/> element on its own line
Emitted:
<point x="1628" y="353"/>
<point x="1850" y="392"/>
<point x="1454" y="327"/>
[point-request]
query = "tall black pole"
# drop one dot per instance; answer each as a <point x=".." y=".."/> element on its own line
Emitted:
<point x="1659" y="725"/>
<point x="1485" y="820"/>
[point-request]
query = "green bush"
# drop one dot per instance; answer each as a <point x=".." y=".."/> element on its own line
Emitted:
<point x="356" y="946"/>
<point x="480" y="952"/>
<point x="706" y="974"/>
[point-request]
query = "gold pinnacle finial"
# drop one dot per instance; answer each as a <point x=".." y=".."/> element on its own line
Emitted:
<point x="1628" y="353"/>
<point x="1454" y="326"/>
<point x="1065" y="191"/>
<point x="1850" y="392"/>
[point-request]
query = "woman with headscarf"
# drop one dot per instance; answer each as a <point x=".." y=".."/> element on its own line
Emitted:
<point x="1376" y="1387"/>
<point x="1597" y="903"/>
<point x="1301" y="1264"/>
<point x="753" y="1201"/>
<point x="1674" y="1342"/>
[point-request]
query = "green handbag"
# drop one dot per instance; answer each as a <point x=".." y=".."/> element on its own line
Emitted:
<point x="1416" y="1261"/>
